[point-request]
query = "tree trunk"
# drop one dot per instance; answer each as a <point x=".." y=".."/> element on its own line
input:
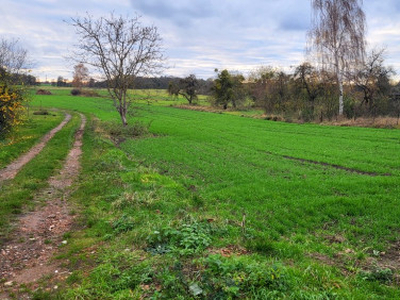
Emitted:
<point x="123" y="119"/>
<point x="341" y="104"/>
<point x="123" y="109"/>
<point x="340" y="84"/>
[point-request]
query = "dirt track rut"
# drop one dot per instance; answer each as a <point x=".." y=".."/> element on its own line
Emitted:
<point x="27" y="256"/>
<point x="12" y="169"/>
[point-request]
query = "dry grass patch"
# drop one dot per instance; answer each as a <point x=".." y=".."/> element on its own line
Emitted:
<point x="378" y="122"/>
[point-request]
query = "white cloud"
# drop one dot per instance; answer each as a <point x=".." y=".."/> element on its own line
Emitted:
<point x="199" y="36"/>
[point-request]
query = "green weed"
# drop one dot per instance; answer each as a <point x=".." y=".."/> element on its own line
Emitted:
<point x="378" y="274"/>
<point x="187" y="239"/>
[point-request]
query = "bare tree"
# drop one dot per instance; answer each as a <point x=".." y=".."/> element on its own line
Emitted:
<point x="13" y="58"/>
<point x="308" y="78"/>
<point x="121" y="49"/>
<point x="81" y="74"/>
<point x="337" y="37"/>
<point x="373" y="79"/>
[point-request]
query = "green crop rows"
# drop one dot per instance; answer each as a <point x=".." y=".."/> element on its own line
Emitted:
<point x="216" y="206"/>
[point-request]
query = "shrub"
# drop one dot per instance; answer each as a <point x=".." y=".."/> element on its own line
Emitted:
<point x="11" y="108"/>
<point x="75" y="92"/>
<point x="118" y="131"/>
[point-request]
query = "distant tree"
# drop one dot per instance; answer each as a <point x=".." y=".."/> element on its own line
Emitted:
<point x="260" y="80"/>
<point x="81" y="74"/>
<point x="308" y="79"/>
<point x="91" y="83"/>
<point x="188" y="88"/>
<point x="373" y="79"/>
<point x="270" y="88"/>
<point x="173" y="89"/>
<point x="122" y="49"/>
<point x="61" y="82"/>
<point x="395" y="101"/>
<point x="205" y="86"/>
<point x="281" y="90"/>
<point x="337" y="37"/>
<point x="228" y="89"/>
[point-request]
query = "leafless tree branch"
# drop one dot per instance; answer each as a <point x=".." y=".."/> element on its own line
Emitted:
<point x="13" y="58"/>
<point x="120" y="48"/>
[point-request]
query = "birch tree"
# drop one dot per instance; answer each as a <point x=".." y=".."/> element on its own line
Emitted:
<point x="121" y="49"/>
<point x="337" y="37"/>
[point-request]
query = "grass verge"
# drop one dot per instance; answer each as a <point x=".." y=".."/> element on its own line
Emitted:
<point x="27" y="135"/>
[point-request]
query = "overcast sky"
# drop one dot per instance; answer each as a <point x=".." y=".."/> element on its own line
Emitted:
<point x="198" y="35"/>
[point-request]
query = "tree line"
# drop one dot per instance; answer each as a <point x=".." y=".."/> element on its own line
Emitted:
<point x="140" y="82"/>
<point x="309" y="94"/>
<point x="339" y="78"/>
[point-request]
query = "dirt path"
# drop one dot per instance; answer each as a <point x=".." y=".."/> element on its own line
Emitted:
<point x="27" y="256"/>
<point x="12" y="169"/>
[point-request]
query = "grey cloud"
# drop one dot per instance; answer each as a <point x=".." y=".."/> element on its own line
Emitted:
<point x="179" y="11"/>
<point x="295" y="23"/>
<point x="199" y="35"/>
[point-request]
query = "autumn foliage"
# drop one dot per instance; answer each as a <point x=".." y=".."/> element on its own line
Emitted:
<point x="11" y="108"/>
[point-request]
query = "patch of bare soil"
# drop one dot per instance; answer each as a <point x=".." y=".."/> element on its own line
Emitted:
<point x="12" y="169"/>
<point x="391" y="258"/>
<point x="27" y="256"/>
<point x="229" y="250"/>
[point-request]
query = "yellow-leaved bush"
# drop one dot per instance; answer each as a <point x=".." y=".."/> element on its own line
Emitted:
<point x="11" y="108"/>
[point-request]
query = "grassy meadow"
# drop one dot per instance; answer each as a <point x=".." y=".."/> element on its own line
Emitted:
<point x="219" y="206"/>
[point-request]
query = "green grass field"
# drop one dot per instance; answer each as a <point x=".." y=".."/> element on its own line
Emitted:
<point x="217" y="206"/>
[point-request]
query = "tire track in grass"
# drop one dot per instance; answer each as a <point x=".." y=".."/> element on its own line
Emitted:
<point x="26" y="257"/>
<point x="338" y="167"/>
<point x="12" y="169"/>
<point x="325" y="164"/>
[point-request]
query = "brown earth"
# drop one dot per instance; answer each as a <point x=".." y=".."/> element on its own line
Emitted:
<point x="12" y="169"/>
<point x="28" y="254"/>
